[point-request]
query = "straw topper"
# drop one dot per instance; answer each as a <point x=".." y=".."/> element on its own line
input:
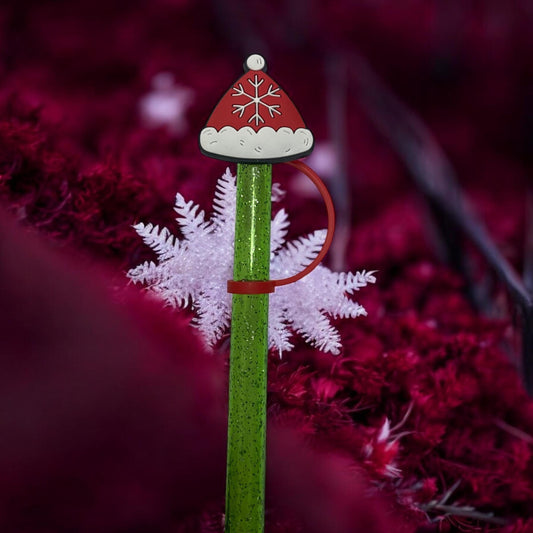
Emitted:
<point x="255" y="121"/>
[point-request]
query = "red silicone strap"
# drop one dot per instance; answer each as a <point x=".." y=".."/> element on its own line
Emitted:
<point x="263" y="287"/>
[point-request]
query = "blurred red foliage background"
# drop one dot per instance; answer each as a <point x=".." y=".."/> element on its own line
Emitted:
<point x="113" y="415"/>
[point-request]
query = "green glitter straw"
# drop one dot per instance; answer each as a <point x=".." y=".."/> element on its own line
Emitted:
<point x="255" y="124"/>
<point x="245" y="481"/>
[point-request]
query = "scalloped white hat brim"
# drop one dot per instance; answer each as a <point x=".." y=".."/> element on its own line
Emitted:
<point x="263" y="145"/>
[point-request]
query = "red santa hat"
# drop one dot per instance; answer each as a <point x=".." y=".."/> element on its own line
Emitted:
<point x="255" y="121"/>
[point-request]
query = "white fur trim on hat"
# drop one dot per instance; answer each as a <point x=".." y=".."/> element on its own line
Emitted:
<point x="263" y="145"/>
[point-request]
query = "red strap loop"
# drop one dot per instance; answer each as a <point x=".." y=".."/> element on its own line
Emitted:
<point x="267" y="286"/>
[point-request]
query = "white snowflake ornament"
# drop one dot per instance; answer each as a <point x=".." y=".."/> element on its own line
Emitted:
<point x="193" y="272"/>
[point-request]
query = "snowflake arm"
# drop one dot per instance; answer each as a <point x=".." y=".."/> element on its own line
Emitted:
<point x="191" y="219"/>
<point x="351" y="282"/>
<point x="239" y="91"/>
<point x="347" y="308"/>
<point x="279" y="333"/>
<point x="147" y="273"/>
<point x="271" y="92"/>
<point x="278" y="230"/>
<point x="300" y="252"/>
<point x="241" y="108"/>
<point x="164" y="244"/>
<point x="273" y="108"/>
<point x="224" y="201"/>
<point x="317" y="330"/>
<point x="257" y="117"/>
<point x="256" y="83"/>
<point x="213" y="315"/>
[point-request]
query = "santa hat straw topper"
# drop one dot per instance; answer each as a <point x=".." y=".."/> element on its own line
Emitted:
<point x="255" y="124"/>
<point x="255" y="121"/>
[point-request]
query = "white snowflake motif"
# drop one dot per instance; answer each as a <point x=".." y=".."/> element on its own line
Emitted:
<point x="194" y="271"/>
<point x="257" y="100"/>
